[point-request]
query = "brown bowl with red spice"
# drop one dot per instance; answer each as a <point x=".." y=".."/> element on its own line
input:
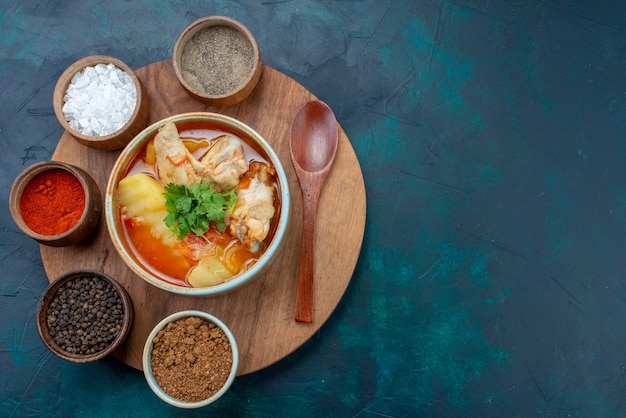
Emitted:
<point x="55" y="203"/>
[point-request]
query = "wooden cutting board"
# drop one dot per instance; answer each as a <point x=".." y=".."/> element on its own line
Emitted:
<point x="261" y="316"/>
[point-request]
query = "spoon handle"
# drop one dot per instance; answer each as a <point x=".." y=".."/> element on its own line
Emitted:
<point x="306" y="269"/>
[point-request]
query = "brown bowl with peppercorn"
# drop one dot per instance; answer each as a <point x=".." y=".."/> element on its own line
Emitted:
<point x="190" y="359"/>
<point x="84" y="315"/>
<point x="55" y="203"/>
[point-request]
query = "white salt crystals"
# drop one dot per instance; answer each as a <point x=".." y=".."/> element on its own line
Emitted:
<point x="99" y="100"/>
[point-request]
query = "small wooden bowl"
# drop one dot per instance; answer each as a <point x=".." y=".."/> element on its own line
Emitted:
<point x="191" y="83"/>
<point x="138" y="120"/>
<point x="87" y="222"/>
<point x="49" y="295"/>
<point x="147" y="360"/>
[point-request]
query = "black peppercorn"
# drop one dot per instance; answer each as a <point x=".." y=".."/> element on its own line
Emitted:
<point x="79" y="322"/>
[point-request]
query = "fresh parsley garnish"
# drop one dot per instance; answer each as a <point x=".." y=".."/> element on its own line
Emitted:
<point x="194" y="208"/>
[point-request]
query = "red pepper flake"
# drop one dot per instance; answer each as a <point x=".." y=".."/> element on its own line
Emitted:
<point x="52" y="202"/>
<point x="177" y="163"/>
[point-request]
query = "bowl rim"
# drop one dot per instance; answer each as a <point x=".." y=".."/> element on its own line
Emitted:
<point x="49" y="293"/>
<point x="147" y="355"/>
<point x="196" y="26"/>
<point x="236" y="281"/>
<point x="27" y="175"/>
<point x="61" y="88"/>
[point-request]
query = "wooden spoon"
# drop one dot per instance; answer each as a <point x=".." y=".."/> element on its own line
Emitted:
<point x="313" y="147"/>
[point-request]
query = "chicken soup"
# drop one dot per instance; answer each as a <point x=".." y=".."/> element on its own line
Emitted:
<point x="198" y="204"/>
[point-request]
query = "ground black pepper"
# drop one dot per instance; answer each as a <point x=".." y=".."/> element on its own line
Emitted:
<point x="85" y="316"/>
<point x="217" y="60"/>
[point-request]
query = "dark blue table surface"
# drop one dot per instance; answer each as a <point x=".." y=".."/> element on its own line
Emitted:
<point x="492" y="139"/>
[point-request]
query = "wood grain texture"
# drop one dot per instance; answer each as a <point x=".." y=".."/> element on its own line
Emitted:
<point x="261" y="315"/>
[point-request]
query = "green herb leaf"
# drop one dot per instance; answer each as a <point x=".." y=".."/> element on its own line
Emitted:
<point x="194" y="208"/>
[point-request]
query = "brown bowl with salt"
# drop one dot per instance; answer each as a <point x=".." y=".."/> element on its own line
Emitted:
<point x="100" y="102"/>
<point x="217" y="61"/>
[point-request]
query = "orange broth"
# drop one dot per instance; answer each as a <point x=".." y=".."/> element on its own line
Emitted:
<point x="171" y="265"/>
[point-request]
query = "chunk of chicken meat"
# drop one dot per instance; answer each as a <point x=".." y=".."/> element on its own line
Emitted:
<point x="174" y="161"/>
<point x="223" y="164"/>
<point x="251" y="216"/>
<point x="226" y="161"/>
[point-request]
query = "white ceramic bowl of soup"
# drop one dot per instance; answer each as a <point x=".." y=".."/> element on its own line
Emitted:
<point x="159" y="257"/>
